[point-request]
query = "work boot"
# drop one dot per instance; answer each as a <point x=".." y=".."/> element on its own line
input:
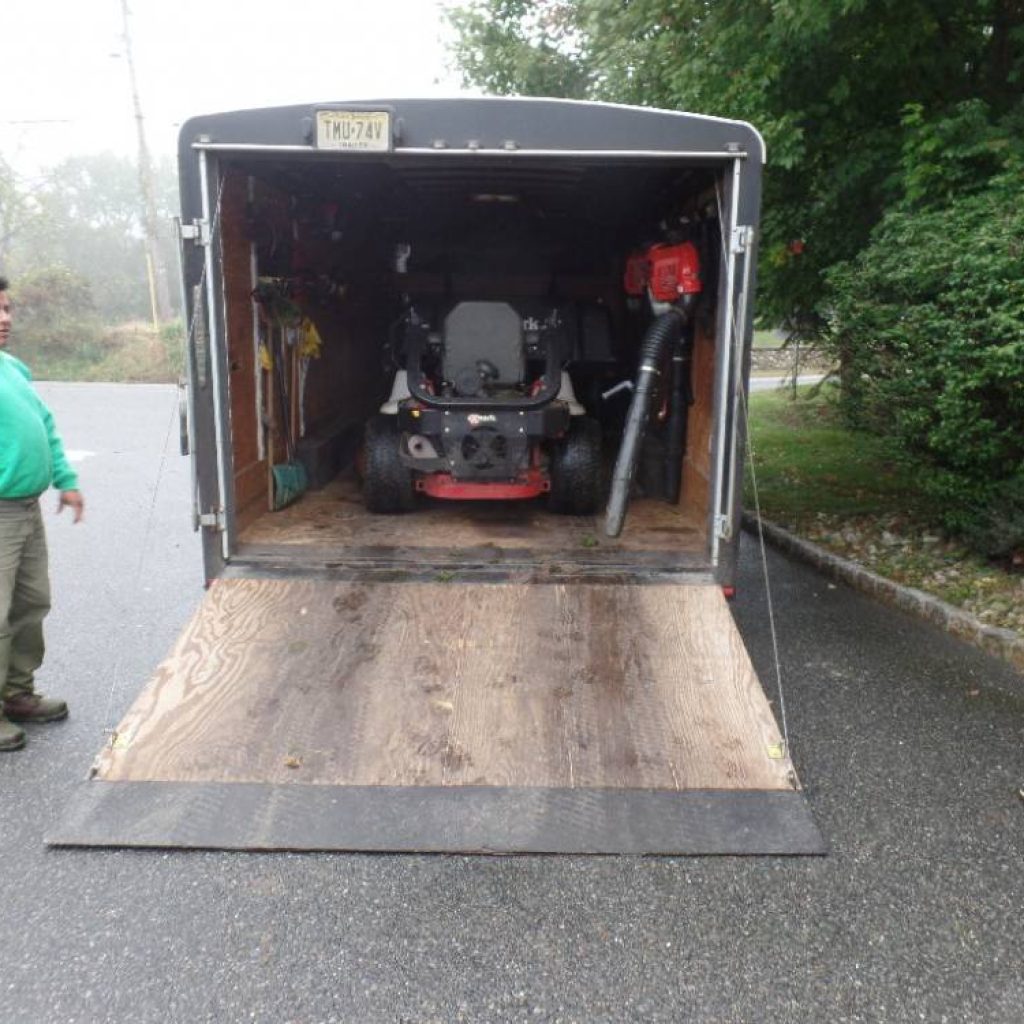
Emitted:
<point x="11" y="737"/>
<point x="34" y="707"/>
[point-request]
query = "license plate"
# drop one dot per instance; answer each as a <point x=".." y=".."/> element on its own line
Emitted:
<point x="365" y="130"/>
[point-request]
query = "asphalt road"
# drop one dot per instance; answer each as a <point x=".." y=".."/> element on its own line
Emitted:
<point x="910" y="746"/>
<point x="771" y="383"/>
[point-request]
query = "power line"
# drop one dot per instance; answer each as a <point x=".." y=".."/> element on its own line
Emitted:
<point x="74" y="120"/>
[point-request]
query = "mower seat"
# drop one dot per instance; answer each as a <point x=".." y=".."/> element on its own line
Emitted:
<point x="483" y="345"/>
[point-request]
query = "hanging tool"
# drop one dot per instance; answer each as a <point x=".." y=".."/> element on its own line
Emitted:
<point x="289" y="479"/>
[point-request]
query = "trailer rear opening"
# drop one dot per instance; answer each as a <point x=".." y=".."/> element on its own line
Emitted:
<point x="368" y="247"/>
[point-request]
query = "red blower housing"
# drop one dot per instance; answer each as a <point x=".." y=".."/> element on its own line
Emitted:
<point x="666" y="270"/>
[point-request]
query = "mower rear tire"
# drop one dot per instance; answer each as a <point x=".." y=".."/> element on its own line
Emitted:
<point x="388" y="484"/>
<point x="575" y="469"/>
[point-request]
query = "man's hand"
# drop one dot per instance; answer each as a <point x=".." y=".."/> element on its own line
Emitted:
<point x="73" y="500"/>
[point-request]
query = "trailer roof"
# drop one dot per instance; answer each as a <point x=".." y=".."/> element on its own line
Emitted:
<point x="492" y="124"/>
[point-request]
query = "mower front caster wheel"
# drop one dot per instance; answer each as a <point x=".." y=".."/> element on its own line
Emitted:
<point x="575" y="469"/>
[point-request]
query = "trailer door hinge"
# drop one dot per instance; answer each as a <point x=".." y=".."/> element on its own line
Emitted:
<point x="198" y="231"/>
<point x="212" y="520"/>
<point x="723" y="527"/>
<point x="742" y="238"/>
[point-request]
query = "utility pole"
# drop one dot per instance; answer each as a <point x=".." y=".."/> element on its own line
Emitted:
<point x="159" y="293"/>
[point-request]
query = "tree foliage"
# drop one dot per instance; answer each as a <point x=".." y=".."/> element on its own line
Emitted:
<point x="930" y="320"/>
<point x="82" y="217"/>
<point x="18" y="214"/>
<point x="56" y="316"/>
<point x="519" y="47"/>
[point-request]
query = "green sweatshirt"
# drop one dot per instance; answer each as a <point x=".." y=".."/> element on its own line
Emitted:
<point x="31" y="454"/>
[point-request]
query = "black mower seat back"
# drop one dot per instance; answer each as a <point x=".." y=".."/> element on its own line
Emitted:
<point x="483" y="344"/>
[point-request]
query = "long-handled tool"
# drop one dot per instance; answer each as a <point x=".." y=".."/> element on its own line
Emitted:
<point x="289" y="479"/>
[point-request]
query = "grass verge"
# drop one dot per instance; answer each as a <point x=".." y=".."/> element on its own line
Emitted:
<point x="853" y="494"/>
<point x="129" y="353"/>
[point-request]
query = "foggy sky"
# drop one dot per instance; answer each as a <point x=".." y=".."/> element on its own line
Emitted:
<point x="63" y="69"/>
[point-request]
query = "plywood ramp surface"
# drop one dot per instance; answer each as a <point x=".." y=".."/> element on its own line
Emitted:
<point x="568" y="686"/>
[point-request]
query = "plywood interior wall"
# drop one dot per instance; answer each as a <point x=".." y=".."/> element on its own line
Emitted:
<point x="345" y="385"/>
<point x="697" y="462"/>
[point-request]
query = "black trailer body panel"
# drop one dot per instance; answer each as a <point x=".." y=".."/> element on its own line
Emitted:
<point x="474" y="124"/>
<point x="740" y="218"/>
<point x="206" y="357"/>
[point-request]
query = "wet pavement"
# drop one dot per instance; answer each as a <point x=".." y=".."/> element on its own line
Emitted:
<point x="910" y="746"/>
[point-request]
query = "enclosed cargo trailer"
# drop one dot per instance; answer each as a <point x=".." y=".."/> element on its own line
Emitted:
<point x="421" y="334"/>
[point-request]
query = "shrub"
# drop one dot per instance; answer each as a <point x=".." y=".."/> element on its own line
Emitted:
<point x="929" y="324"/>
<point x="172" y="337"/>
<point x="55" y="318"/>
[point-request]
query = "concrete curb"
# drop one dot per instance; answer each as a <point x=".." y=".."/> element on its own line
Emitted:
<point x="1001" y="643"/>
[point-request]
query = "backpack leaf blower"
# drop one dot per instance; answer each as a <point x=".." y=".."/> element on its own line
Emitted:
<point x="670" y="276"/>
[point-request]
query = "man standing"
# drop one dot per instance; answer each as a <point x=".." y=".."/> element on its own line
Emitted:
<point x="31" y="460"/>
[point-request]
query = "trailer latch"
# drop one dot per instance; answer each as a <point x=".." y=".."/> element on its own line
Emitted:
<point x="212" y="520"/>
<point x="742" y="238"/>
<point x="723" y="527"/>
<point x="198" y="231"/>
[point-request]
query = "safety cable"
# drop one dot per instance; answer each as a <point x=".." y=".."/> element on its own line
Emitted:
<point x="740" y="393"/>
<point x="214" y="227"/>
<point x="109" y="728"/>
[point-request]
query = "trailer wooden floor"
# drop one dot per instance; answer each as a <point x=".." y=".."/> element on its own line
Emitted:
<point x="335" y="523"/>
<point x="313" y="714"/>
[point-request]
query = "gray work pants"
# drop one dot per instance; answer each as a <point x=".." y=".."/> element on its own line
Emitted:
<point x="24" y="594"/>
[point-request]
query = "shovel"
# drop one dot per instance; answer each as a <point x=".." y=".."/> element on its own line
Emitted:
<point x="288" y="479"/>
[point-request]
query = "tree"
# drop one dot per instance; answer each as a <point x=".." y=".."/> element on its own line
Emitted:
<point x="826" y="81"/>
<point x="56" y="316"/>
<point x="515" y="46"/>
<point x="930" y="318"/>
<point x="85" y="217"/>
<point x="17" y="213"/>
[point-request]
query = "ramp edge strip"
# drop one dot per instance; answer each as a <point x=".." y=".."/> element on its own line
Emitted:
<point x="430" y="819"/>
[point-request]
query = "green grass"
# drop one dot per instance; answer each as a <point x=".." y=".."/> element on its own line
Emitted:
<point x="853" y="494"/>
<point x="807" y="463"/>
<point x="766" y="339"/>
<point x="130" y="352"/>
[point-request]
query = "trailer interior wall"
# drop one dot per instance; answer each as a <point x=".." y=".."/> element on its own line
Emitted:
<point x="344" y="387"/>
<point x="272" y="224"/>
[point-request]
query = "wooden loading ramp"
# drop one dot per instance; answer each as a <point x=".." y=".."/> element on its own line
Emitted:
<point x="306" y="714"/>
